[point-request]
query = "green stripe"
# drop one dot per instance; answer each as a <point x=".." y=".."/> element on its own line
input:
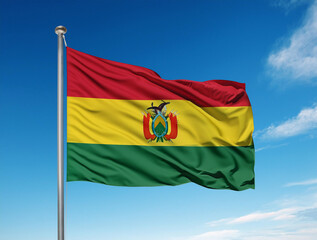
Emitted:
<point x="121" y="165"/>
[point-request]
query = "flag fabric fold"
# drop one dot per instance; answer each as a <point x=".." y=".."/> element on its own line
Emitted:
<point x="126" y="126"/>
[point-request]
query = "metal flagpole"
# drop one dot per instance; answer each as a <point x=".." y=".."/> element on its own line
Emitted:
<point x="60" y="31"/>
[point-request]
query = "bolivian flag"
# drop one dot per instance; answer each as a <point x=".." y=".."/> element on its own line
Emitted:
<point x="126" y="126"/>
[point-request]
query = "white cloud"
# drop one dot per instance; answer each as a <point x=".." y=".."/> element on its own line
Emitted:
<point x="306" y="233"/>
<point x="289" y="4"/>
<point x="258" y="149"/>
<point x="219" y="235"/>
<point x="307" y="182"/>
<point x="275" y="233"/>
<point x="297" y="221"/>
<point x="282" y="214"/>
<point x="297" y="59"/>
<point x="304" y="122"/>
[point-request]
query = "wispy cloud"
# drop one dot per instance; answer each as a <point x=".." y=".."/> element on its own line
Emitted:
<point x="219" y="235"/>
<point x="298" y="221"/>
<point x="296" y="60"/>
<point x="270" y="147"/>
<point x="289" y="4"/>
<point x="304" y="122"/>
<point x="302" y="183"/>
<point x="282" y="214"/>
<point x="305" y="233"/>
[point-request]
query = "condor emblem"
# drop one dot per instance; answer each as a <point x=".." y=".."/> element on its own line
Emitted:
<point x="160" y="125"/>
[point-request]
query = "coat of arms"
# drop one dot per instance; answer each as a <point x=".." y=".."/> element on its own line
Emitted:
<point x="157" y="117"/>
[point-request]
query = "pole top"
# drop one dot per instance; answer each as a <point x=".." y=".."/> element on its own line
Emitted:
<point x="60" y="30"/>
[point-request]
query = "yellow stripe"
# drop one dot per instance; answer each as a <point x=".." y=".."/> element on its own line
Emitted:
<point x="120" y="122"/>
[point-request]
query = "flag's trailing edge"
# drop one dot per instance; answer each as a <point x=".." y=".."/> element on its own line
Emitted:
<point x="126" y="126"/>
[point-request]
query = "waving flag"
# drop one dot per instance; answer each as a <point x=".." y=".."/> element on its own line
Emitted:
<point x="126" y="126"/>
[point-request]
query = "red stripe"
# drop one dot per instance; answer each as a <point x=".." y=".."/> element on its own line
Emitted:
<point x="93" y="77"/>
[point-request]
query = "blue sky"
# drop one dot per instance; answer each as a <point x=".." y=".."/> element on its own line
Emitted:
<point x="269" y="45"/>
